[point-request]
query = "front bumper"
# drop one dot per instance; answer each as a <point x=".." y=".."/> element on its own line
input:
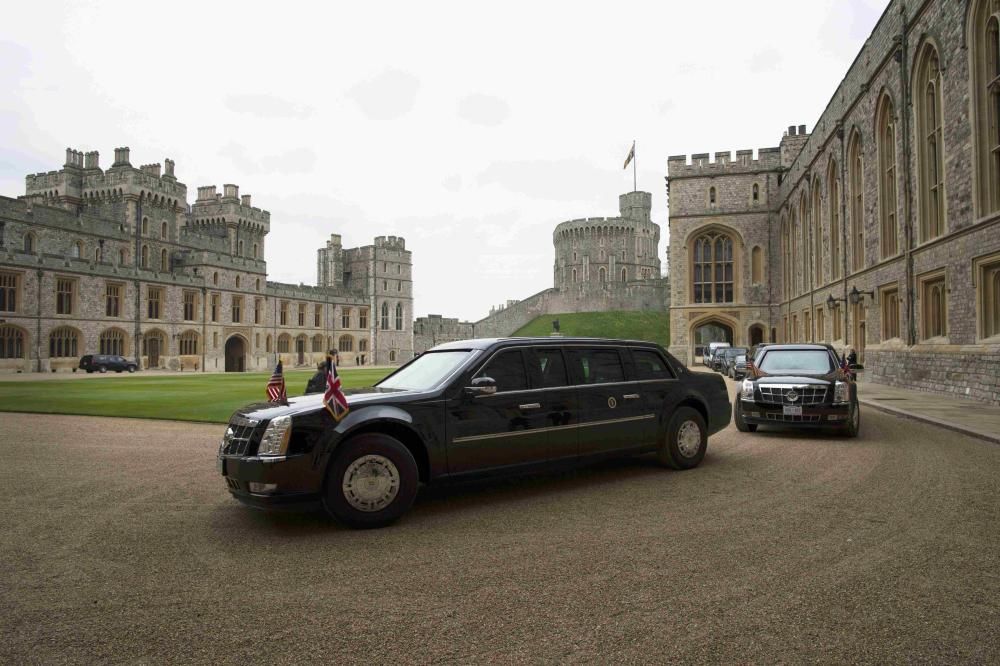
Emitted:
<point x="812" y="416"/>
<point x="297" y="483"/>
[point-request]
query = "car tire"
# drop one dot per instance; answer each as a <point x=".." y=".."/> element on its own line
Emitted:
<point x="686" y="440"/>
<point x="131" y="368"/>
<point x="391" y="477"/>
<point x="741" y="423"/>
<point x="102" y="369"/>
<point x="853" y="427"/>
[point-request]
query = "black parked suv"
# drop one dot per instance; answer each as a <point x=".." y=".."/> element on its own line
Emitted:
<point x="800" y="385"/>
<point x="469" y="408"/>
<point x="105" y="362"/>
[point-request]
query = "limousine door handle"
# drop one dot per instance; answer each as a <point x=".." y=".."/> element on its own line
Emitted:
<point x="530" y="405"/>
<point x="631" y="396"/>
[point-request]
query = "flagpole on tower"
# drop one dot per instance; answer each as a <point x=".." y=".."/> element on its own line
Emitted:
<point x="635" y="188"/>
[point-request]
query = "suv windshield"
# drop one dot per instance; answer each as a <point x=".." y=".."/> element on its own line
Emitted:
<point x="794" y="361"/>
<point x="426" y="371"/>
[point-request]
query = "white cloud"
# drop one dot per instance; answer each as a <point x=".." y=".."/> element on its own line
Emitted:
<point x="387" y="96"/>
<point x="483" y="110"/>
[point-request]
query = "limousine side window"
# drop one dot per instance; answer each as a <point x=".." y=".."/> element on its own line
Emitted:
<point x="507" y="370"/>
<point x="551" y="368"/>
<point x="600" y="366"/>
<point x="649" y="365"/>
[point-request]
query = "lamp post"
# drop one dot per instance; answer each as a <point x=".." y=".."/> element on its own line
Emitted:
<point x="855" y="295"/>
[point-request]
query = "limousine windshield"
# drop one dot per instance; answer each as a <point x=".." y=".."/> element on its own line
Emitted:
<point x="426" y="371"/>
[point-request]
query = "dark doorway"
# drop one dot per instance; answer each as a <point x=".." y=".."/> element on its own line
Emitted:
<point x="756" y="335"/>
<point x="300" y="349"/>
<point x="153" y="352"/>
<point x="235" y="354"/>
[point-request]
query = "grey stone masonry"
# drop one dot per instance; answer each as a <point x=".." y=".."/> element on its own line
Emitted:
<point x="115" y="261"/>
<point x="868" y="240"/>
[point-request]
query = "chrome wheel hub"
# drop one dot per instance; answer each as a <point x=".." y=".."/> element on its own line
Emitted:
<point x="370" y="483"/>
<point x="689" y="439"/>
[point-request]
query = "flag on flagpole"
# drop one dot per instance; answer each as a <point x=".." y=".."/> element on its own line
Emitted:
<point x="334" y="399"/>
<point x="631" y="156"/>
<point x="276" y="386"/>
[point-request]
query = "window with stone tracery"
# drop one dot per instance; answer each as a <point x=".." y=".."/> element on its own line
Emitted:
<point x="713" y="268"/>
<point x="930" y="144"/>
<point x="984" y="39"/>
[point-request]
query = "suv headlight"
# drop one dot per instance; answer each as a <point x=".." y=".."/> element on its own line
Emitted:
<point x="746" y="390"/>
<point x="841" y="393"/>
<point x="276" y="436"/>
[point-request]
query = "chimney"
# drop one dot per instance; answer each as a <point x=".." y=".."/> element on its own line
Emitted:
<point x="168" y="168"/>
<point x="74" y="158"/>
<point x="121" y="157"/>
<point x="791" y="130"/>
<point x="245" y="200"/>
<point x="151" y="169"/>
<point x="92" y="160"/>
<point x="231" y="191"/>
<point x="802" y="130"/>
<point x="206" y="193"/>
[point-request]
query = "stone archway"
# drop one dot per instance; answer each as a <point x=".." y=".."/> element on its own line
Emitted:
<point x="756" y="334"/>
<point x="236" y="350"/>
<point x="712" y="329"/>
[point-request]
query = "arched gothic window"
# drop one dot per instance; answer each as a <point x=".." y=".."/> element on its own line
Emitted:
<point x="885" y="124"/>
<point x="624" y="275"/>
<point x="806" y="228"/>
<point x="930" y="146"/>
<point x="793" y="244"/>
<point x="713" y="268"/>
<point x="76" y="250"/>
<point x="345" y="343"/>
<point x="385" y="316"/>
<point x="757" y="265"/>
<point x="64" y="342"/>
<point x="163" y="230"/>
<point x="11" y="342"/>
<point x="189" y="343"/>
<point x="857" y="193"/>
<point x="756" y="193"/>
<point x="786" y="258"/>
<point x="145" y="226"/>
<point x="144" y="261"/>
<point x="29" y="243"/>
<point x="399" y="316"/>
<point x="711" y="196"/>
<point x="984" y="38"/>
<point x="602" y="274"/>
<point x="112" y="342"/>
<point x="817" y="232"/>
<point x="163" y="261"/>
<point x="833" y="196"/>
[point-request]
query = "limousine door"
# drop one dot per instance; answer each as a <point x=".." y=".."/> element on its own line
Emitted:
<point x="613" y="416"/>
<point x="499" y="430"/>
<point x="657" y="389"/>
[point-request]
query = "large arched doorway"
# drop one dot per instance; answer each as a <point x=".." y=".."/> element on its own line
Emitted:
<point x="711" y="330"/>
<point x="235" y="354"/>
<point x="756" y="334"/>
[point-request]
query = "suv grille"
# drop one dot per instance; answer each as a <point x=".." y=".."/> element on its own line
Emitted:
<point x="241" y="437"/>
<point x="805" y="418"/>
<point x="777" y="394"/>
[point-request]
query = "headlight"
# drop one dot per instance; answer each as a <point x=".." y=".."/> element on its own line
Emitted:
<point x="746" y="391"/>
<point x="841" y="393"/>
<point x="276" y="436"/>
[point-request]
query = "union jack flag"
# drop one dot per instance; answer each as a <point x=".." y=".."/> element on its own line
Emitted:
<point x="276" y="386"/>
<point x="334" y="399"/>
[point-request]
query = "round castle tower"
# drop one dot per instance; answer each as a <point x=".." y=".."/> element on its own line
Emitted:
<point x="598" y="250"/>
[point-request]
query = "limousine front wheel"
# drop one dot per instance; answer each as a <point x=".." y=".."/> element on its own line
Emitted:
<point x="686" y="441"/>
<point x="372" y="481"/>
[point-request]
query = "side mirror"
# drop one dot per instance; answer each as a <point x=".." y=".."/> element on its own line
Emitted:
<point x="482" y="386"/>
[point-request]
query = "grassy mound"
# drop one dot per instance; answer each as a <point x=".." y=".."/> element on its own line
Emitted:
<point x="652" y="326"/>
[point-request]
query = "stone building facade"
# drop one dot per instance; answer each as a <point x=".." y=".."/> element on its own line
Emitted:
<point x="601" y="264"/>
<point x="877" y="231"/>
<point x="117" y="262"/>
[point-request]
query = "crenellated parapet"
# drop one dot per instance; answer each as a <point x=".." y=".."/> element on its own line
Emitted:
<point x="702" y="165"/>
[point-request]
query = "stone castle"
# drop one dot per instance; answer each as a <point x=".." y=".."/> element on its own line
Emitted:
<point x="116" y="261"/>
<point x="601" y="264"/>
<point x="877" y="231"/>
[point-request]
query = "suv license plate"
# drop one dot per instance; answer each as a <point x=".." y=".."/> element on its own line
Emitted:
<point x="792" y="410"/>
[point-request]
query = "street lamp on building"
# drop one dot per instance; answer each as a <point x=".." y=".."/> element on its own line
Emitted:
<point x="831" y="302"/>
<point x="855" y="295"/>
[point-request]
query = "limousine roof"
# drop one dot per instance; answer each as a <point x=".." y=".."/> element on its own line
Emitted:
<point x="486" y="343"/>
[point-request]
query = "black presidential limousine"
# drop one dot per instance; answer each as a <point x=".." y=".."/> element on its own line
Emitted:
<point x="473" y="407"/>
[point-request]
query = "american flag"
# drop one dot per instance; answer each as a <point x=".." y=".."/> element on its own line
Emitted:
<point x="334" y="399"/>
<point x="276" y="386"/>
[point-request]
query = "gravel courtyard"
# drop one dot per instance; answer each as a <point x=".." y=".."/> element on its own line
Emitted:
<point x="121" y="544"/>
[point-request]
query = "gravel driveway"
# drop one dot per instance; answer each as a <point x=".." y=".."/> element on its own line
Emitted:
<point x="120" y="543"/>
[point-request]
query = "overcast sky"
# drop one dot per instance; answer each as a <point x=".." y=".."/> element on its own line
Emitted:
<point x="469" y="128"/>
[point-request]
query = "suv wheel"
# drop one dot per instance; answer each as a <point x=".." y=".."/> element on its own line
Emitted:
<point x="741" y="423"/>
<point x="102" y="369"/>
<point x="131" y="368"/>
<point x="686" y="442"/>
<point x="372" y="481"/>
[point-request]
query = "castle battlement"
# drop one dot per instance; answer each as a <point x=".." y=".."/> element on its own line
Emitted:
<point x="702" y="164"/>
<point x="229" y="203"/>
<point x="391" y="243"/>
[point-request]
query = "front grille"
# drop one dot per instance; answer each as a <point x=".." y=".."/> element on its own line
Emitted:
<point x="241" y="437"/>
<point x="777" y="394"/>
<point x="805" y="418"/>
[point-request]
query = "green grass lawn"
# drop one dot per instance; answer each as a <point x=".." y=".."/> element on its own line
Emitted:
<point x="195" y="397"/>
<point x="652" y="326"/>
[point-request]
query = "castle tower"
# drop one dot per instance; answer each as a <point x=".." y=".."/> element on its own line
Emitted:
<point x="635" y="206"/>
<point x="330" y="263"/>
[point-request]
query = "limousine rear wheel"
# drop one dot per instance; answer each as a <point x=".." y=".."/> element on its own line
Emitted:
<point x="372" y="481"/>
<point x="687" y="439"/>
